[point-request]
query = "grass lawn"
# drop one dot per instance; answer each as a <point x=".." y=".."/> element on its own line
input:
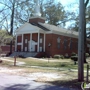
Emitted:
<point x="57" y="63"/>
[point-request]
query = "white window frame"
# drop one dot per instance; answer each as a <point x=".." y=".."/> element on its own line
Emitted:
<point x="25" y="48"/>
<point x="25" y="40"/>
<point x="40" y="40"/>
<point x="40" y="49"/>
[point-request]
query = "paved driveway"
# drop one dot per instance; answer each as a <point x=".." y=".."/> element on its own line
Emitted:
<point x="15" y="82"/>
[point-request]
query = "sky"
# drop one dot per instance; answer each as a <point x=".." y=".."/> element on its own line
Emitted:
<point x="70" y="5"/>
<point x="67" y="2"/>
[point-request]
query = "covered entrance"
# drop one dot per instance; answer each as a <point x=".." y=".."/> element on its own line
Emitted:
<point x="32" y="45"/>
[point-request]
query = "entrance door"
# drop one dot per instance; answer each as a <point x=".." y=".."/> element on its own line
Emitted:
<point x="32" y="48"/>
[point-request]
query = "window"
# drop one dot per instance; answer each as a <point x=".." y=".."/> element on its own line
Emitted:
<point x="58" y="42"/>
<point x="71" y="44"/>
<point x="25" y="48"/>
<point x="65" y="44"/>
<point x="76" y="45"/>
<point x="40" y="49"/>
<point x="40" y="40"/>
<point x="25" y="40"/>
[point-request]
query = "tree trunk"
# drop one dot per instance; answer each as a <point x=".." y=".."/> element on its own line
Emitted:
<point x="85" y="44"/>
<point x="12" y="19"/>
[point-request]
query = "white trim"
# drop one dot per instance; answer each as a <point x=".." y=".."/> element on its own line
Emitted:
<point x="27" y="32"/>
<point x="25" y="49"/>
<point x="19" y="43"/>
<point x="40" y="40"/>
<point x="44" y="41"/>
<point x="26" y="41"/>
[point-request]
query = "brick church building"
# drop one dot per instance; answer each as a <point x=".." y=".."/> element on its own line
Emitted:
<point x="40" y="37"/>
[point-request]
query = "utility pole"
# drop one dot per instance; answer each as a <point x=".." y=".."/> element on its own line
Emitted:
<point x="81" y="41"/>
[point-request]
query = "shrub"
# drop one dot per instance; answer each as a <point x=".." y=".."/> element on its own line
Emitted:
<point x="73" y="54"/>
<point x="57" y="56"/>
<point x="87" y="54"/>
<point x="74" y="58"/>
<point x="61" y="56"/>
<point x="66" y="55"/>
<point x="21" y="56"/>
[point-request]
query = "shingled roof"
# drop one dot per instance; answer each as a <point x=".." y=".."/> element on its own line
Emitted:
<point x="59" y="30"/>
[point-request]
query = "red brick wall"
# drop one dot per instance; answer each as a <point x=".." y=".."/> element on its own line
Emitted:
<point x="53" y="49"/>
<point x="49" y="39"/>
<point x="35" y="37"/>
<point x="6" y="49"/>
<point x="36" y="20"/>
<point x="18" y="47"/>
<point x="19" y="39"/>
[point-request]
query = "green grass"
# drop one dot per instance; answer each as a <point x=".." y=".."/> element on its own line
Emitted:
<point x="58" y="63"/>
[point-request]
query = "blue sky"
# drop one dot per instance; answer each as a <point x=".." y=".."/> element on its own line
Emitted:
<point x="68" y="2"/>
<point x="70" y="5"/>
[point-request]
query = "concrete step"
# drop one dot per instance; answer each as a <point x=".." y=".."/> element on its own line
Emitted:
<point x="24" y="54"/>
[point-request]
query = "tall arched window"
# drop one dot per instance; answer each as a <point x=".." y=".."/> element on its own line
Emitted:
<point x="65" y="44"/>
<point x="58" y="42"/>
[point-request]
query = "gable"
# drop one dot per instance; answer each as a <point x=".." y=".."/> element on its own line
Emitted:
<point x="27" y="28"/>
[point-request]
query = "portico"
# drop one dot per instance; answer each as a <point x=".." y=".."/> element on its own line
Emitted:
<point x="30" y="42"/>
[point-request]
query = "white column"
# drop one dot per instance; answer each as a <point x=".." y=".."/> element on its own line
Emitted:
<point x="31" y="42"/>
<point x="44" y="42"/>
<point x="22" y="43"/>
<point x="16" y="44"/>
<point x="38" y="42"/>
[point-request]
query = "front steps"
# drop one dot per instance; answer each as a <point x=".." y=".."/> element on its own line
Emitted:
<point x="24" y="54"/>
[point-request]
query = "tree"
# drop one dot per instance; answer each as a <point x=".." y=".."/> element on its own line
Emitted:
<point x="55" y="13"/>
<point x="23" y="10"/>
<point x="5" y="37"/>
<point x="11" y="9"/>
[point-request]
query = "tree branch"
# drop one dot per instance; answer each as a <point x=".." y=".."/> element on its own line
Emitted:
<point x="5" y="5"/>
<point x="86" y="3"/>
<point x="3" y="18"/>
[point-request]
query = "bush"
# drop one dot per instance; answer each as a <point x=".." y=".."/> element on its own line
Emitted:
<point x="66" y="55"/>
<point x="87" y="54"/>
<point x="74" y="58"/>
<point x="21" y="56"/>
<point x="57" y="56"/>
<point x="73" y="54"/>
<point x="61" y="56"/>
